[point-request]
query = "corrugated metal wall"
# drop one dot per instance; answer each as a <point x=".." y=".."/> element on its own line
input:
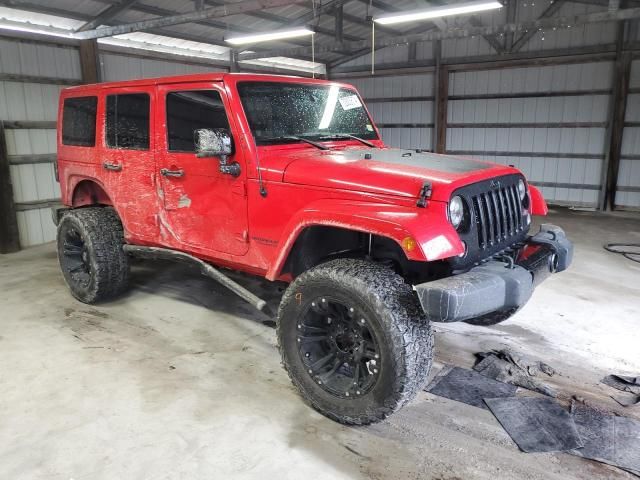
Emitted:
<point x="31" y="150"/>
<point x="401" y="106"/>
<point x="31" y="77"/>
<point x="115" y="66"/>
<point x="628" y="195"/>
<point x="556" y="114"/>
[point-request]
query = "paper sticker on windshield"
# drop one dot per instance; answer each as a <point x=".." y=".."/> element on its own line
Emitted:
<point x="369" y="127"/>
<point x="350" y="101"/>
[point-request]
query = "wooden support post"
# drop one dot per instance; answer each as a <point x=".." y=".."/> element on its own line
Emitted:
<point x="9" y="237"/>
<point x="611" y="166"/>
<point x="89" y="62"/>
<point x="441" y="101"/>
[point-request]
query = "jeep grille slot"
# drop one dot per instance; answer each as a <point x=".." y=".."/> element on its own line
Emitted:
<point x="498" y="215"/>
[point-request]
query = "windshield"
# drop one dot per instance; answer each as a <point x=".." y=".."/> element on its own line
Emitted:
<point x="280" y="112"/>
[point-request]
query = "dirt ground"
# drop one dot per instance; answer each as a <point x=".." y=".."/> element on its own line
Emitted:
<point x="180" y="379"/>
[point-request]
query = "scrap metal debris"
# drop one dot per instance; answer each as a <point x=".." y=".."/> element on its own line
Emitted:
<point x="631" y="385"/>
<point x="536" y="424"/>
<point x="608" y="438"/>
<point x="510" y="367"/>
<point x="469" y="387"/>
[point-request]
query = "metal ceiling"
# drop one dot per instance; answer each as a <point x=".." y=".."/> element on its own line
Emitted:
<point x="321" y="14"/>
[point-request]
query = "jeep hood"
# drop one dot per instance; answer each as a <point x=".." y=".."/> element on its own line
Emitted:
<point x="388" y="171"/>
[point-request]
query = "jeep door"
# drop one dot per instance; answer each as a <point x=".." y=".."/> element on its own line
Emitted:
<point x="127" y="158"/>
<point x="203" y="208"/>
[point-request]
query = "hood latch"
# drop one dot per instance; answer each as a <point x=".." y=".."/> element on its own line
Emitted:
<point x="425" y="193"/>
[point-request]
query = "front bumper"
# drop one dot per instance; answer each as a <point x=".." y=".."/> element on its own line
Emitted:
<point x="494" y="290"/>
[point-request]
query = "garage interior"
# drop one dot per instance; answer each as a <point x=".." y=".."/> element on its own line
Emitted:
<point x="179" y="378"/>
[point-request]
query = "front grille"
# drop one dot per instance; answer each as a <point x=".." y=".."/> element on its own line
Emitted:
<point x="498" y="215"/>
<point x="495" y="221"/>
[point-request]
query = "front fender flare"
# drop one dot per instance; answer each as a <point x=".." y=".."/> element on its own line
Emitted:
<point x="429" y="227"/>
<point x="538" y="204"/>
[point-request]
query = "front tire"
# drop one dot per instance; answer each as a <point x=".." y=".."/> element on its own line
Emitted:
<point x="354" y="340"/>
<point x="90" y="253"/>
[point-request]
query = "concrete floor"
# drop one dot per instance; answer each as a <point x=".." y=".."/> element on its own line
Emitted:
<point x="180" y="379"/>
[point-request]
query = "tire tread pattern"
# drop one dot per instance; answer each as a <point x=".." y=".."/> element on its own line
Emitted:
<point x="397" y="305"/>
<point x="102" y="228"/>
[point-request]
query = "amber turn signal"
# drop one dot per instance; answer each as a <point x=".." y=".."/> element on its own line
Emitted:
<point x="409" y="244"/>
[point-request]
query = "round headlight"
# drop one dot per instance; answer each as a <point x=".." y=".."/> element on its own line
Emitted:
<point x="456" y="211"/>
<point x="522" y="189"/>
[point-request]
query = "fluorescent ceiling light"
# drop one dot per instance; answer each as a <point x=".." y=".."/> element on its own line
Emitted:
<point x="437" y="12"/>
<point x="266" y="37"/>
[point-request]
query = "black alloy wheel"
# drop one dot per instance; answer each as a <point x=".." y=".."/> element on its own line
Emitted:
<point x="75" y="259"/>
<point x="339" y="350"/>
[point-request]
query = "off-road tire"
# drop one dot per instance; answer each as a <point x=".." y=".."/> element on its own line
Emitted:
<point x="101" y="233"/>
<point x="394" y="313"/>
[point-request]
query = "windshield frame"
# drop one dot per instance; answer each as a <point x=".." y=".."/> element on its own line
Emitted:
<point x="312" y="84"/>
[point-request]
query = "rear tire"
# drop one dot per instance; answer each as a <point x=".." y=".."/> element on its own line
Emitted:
<point x="354" y="340"/>
<point x="90" y="253"/>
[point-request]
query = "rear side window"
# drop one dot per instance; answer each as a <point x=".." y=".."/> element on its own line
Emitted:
<point x="79" y="121"/>
<point x="127" y="122"/>
<point x="190" y="110"/>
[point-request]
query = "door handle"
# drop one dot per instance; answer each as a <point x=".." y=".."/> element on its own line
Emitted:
<point x="171" y="173"/>
<point x="114" y="167"/>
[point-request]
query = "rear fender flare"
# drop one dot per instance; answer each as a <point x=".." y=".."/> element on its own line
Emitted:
<point x="435" y="237"/>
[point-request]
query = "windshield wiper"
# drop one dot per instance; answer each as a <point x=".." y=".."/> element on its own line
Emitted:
<point x="347" y="135"/>
<point x="296" y="139"/>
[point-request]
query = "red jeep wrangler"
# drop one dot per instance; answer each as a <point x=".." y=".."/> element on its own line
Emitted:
<point x="287" y="178"/>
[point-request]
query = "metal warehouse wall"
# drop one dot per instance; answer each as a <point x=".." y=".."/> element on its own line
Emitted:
<point x="116" y="66"/>
<point x="550" y="121"/>
<point x="402" y="107"/>
<point x="32" y="74"/>
<point x="556" y="114"/>
<point x="628" y="195"/>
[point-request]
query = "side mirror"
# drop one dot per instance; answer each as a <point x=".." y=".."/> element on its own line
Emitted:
<point x="215" y="142"/>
